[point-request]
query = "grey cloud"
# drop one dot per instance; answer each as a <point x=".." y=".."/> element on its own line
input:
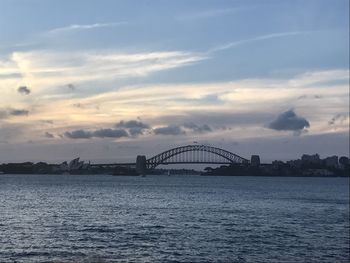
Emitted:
<point x="71" y="87"/>
<point x="134" y="127"/>
<point x="197" y="128"/>
<point x="110" y="133"/>
<point x="24" y="90"/>
<point x="49" y="135"/>
<point x="169" y="130"/>
<point x="289" y="121"/>
<point x="5" y="113"/>
<point x="78" y="134"/>
<point x="101" y="133"/>
<point x="136" y="131"/>
<point x="337" y="118"/>
<point x="17" y="112"/>
<point x="123" y="129"/>
<point x="132" y="124"/>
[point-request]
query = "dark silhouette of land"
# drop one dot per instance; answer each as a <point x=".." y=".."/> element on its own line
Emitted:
<point x="308" y="165"/>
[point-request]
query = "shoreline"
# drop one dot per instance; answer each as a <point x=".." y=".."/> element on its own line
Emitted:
<point x="182" y="175"/>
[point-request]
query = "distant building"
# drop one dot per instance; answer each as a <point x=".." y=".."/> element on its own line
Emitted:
<point x="310" y="159"/>
<point x="331" y="162"/>
<point x="277" y="164"/>
<point x="344" y="162"/>
<point x="63" y="167"/>
<point x="294" y="163"/>
<point x="255" y="160"/>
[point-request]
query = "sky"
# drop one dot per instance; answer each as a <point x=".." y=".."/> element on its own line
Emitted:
<point x="107" y="80"/>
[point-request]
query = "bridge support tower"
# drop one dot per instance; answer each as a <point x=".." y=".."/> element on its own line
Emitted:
<point x="141" y="164"/>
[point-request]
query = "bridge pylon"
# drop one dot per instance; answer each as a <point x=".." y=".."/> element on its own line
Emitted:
<point x="141" y="164"/>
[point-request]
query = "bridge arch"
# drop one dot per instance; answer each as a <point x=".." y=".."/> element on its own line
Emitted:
<point x="200" y="154"/>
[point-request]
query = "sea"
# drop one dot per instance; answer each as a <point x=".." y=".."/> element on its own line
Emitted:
<point x="176" y="218"/>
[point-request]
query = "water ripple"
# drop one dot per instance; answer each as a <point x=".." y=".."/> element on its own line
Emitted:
<point x="61" y="219"/>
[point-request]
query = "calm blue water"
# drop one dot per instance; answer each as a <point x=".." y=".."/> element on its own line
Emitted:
<point x="62" y="218"/>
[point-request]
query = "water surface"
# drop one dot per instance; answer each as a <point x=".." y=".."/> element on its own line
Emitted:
<point x="103" y="218"/>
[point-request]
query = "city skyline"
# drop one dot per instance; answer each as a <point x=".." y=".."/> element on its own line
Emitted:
<point x="106" y="81"/>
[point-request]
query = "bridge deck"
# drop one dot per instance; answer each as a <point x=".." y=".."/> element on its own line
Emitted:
<point x="112" y="164"/>
<point x="199" y="162"/>
<point x="165" y="163"/>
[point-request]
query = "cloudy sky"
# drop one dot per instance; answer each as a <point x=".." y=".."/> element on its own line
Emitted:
<point x="107" y="80"/>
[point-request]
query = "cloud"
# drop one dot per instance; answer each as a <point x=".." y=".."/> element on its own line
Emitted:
<point x="238" y="96"/>
<point x="49" y="135"/>
<point x="337" y="118"/>
<point x="77" y="105"/>
<point x="289" y="121"/>
<point x="19" y="112"/>
<point x="134" y="127"/>
<point x="169" y="130"/>
<point x="218" y="119"/>
<point x="181" y="129"/>
<point x="24" y="90"/>
<point x="8" y="112"/>
<point x="71" y="87"/>
<point x="78" y="134"/>
<point x="110" y="133"/>
<point x="244" y="107"/>
<point x="48" y="68"/>
<point x="101" y="133"/>
<point x="76" y="27"/>
<point x="319" y="79"/>
<point x="254" y="39"/>
<point x="197" y="128"/>
<point x="205" y="14"/>
<point x="132" y="124"/>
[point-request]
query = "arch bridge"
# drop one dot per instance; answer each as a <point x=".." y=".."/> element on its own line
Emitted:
<point x="190" y="154"/>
